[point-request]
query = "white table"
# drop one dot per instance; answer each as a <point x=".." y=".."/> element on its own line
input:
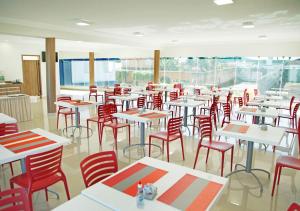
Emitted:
<point x="118" y="200"/>
<point x="272" y="136"/>
<point x="7" y="156"/>
<point x="71" y="105"/>
<point x="268" y="97"/>
<point x="126" y="98"/>
<point x="281" y="93"/>
<point x="145" y="92"/>
<point x="186" y="104"/>
<point x="269" y="112"/>
<point x="81" y="202"/>
<point x="7" y="119"/>
<point x="274" y="104"/>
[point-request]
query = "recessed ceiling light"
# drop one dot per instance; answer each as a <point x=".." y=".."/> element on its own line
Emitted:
<point x="223" y="2"/>
<point x="83" y="23"/>
<point x="138" y="34"/>
<point x="248" y="25"/>
<point x="263" y="37"/>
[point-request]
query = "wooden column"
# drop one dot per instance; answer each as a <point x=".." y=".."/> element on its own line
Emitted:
<point x="51" y="74"/>
<point x="156" y="66"/>
<point x="92" y="68"/>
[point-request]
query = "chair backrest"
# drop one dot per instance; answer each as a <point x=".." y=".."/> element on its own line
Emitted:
<point x="247" y="98"/>
<point x="100" y="112"/>
<point x="150" y="87"/>
<point x="108" y="110"/>
<point x="141" y="102"/>
<point x="108" y="94"/>
<point x="44" y="165"/>
<point x="174" y="125"/>
<point x="93" y="89"/>
<point x="216" y="98"/>
<point x="197" y="91"/>
<point x="98" y="166"/>
<point x="205" y="128"/>
<point x="294" y="207"/>
<point x="240" y="99"/>
<point x="63" y="98"/>
<point x="14" y="199"/>
<point x="117" y="91"/>
<point x="227" y="112"/>
<point x="126" y="91"/>
<point x="291" y="104"/>
<point x="229" y="97"/>
<point x="157" y="102"/>
<point x="173" y="96"/>
<point x="295" y="110"/>
<point x="6" y="129"/>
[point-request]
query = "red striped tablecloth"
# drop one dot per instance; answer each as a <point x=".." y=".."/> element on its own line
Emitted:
<point x="131" y="111"/>
<point x="236" y="128"/>
<point x="248" y="109"/>
<point x="191" y="193"/>
<point x="153" y="115"/>
<point x="24" y="141"/>
<point x="127" y="181"/>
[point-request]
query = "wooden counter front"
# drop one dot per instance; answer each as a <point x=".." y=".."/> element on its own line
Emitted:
<point x="9" y="88"/>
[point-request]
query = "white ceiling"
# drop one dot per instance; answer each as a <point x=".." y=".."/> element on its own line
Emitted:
<point x="188" y="21"/>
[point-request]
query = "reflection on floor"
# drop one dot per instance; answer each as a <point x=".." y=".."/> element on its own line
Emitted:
<point x="242" y="192"/>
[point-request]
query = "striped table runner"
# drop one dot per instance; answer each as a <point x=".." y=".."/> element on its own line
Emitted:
<point x="236" y="128"/>
<point x="24" y="141"/>
<point x="131" y="111"/>
<point x="127" y="181"/>
<point x="191" y="193"/>
<point x="76" y="103"/>
<point x="249" y="109"/>
<point x="153" y="115"/>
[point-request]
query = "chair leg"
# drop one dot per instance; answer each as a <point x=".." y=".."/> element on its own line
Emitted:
<point x="101" y="128"/>
<point x="46" y="193"/>
<point x="222" y="164"/>
<point x="231" y="159"/>
<point x="275" y="178"/>
<point x="11" y="169"/>
<point x="66" y="188"/>
<point x="115" y="133"/>
<point x="194" y="125"/>
<point x="182" y="149"/>
<point x="150" y="140"/>
<point x="66" y="123"/>
<point x="129" y="141"/>
<point x="197" y="154"/>
<point x="168" y="151"/>
<point x="57" y="120"/>
<point x="279" y="175"/>
<point x="87" y="128"/>
<point x="207" y="154"/>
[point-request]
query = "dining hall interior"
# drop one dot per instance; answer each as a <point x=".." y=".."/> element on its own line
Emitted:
<point x="150" y="105"/>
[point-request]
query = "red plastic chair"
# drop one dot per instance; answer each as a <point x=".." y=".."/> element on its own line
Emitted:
<point x="284" y="162"/>
<point x="42" y="170"/>
<point x="205" y="131"/>
<point x="173" y="133"/>
<point x="112" y="122"/>
<point x="117" y="90"/>
<point x="294" y="207"/>
<point x="98" y="166"/>
<point x="99" y="119"/>
<point x="126" y="91"/>
<point x="117" y="85"/>
<point x="227" y="112"/>
<point x="173" y="97"/>
<point x="6" y="129"/>
<point x="241" y="104"/>
<point x="212" y="115"/>
<point x="292" y="116"/>
<point x="94" y="93"/>
<point x="197" y="92"/>
<point x="64" y="111"/>
<point x="107" y="95"/>
<point x="141" y="102"/>
<point x="291" y="105"/>
<point x="157" y="102"/>
<point x="14" y="199"/>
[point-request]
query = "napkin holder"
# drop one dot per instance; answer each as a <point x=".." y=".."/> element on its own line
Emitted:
<point x="264" y="127"/>
<point x="149" y="191"/>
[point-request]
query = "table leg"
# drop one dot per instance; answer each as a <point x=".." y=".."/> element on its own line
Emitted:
<point x="142" y="131"/>
<point x="127" y="104"/>
<point x="249" y="156"/>
<point x="77" y="117"/>
<point x="185" y="116"/>
<point x="166" y="96"/>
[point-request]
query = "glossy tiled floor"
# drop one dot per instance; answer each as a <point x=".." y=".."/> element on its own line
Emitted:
<point x="242" y="192"/>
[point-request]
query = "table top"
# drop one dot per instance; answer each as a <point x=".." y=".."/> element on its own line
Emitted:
<point x="271" y="136"/>
<point x="145" y="92"/>
<point x="81" y="202"/>
<point x="7" y="119"/>
<point x="147" y="116"/>
<point x="202" y="188"/>
<point x="196" y="97"/>
<point x="188" y="103"/>
<point x="274" y="104"/>
<point x="13" y="96"/>
<point x="271" y="92"/>
<point x="73" y="104"/>
<point x="266" y="97"/>
<point x="124" y="97"/>
<point x="254" y="111"/>
<point x="7" y="155"/>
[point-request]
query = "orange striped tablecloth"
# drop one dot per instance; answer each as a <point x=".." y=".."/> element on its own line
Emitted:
<point x="131" y="111"/>
<point x="127" y="181"/>
<point x="191" y="193"/>
<point x="153" y="115"/>
<point x="248" y="109"/>
<point x="24" y="141"/>
<point x="236" y="128"/>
